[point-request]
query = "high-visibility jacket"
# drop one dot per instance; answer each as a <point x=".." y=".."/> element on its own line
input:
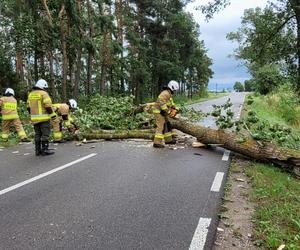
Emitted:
<point x="8" y="106"/>
<point x="63" y="109"/>
<point x="164" y="102"/>
<point x="38" y="100"/>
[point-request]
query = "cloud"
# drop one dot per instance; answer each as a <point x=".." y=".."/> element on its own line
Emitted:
<point x="227" y="70"/>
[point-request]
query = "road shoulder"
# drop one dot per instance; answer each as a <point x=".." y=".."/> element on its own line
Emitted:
<point x="235" y="229"/>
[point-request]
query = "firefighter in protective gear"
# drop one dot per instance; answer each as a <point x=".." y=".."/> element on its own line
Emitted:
<point x="164" y="108"/>
<point x="63" y="111"/>
<point x="8" y="106"/>
<point x="39" y="105"/>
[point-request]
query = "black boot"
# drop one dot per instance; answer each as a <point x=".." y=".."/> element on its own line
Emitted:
<point x="59" y="141"/>
<point x="158" y="145"/>
<point x="25" y="140"/>
<point x="38" y="150"/>
<point x="171" y="142"/>
<point x="45" y="148"/>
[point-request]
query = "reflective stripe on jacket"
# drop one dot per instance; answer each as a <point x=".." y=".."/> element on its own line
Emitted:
<point x="38" y="101"/>
<point x="164" y="102"/>
<point x="8" y="106"/>
<point x="63" y="109"/>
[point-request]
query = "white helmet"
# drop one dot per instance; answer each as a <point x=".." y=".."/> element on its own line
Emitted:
<point x="42" y="84"/>
<point x="73" y="103"/>
<point x="9" y="91"/>
<point x="173" y="85"/>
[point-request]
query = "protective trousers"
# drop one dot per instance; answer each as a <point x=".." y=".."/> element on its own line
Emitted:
<point x="6" y="124"/>
<point x="163" y="131"/>
<point x="57" y="128"/>
<point x="42" y="133"/>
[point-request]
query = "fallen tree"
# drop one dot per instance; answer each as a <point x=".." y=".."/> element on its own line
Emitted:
<point x="288" y="159"/>
<point x="114" y="134"/>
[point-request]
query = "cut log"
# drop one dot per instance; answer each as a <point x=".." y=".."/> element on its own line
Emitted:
<point x="124" y="134"/>
<point x="288" y="159"/>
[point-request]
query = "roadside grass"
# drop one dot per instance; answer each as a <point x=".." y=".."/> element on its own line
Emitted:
<point x="265" y="111"/>
<point x="268" y="108"/>
<point x="275" y="192"/>
<point x="277" y="214"/>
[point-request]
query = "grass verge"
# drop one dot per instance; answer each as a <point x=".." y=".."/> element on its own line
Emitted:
<point x="276" y="193"/>
<point x="277" y="213"/>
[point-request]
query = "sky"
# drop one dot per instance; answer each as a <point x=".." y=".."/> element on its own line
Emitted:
<point x="226" y="70"/>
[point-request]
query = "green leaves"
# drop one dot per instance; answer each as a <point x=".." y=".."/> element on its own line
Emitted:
<point x="224" y="115"/>
<point x="108" y="113"/>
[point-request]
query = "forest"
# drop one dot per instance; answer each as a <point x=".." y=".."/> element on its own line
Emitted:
<point x="111" y="48"/>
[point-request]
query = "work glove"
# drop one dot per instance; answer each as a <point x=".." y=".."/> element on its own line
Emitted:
<point x="164" y="113"/>
<point x="173" y="112"/>
<point x="72" y="130"/>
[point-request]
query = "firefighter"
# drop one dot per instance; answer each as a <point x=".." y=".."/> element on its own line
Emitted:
<point x="63" y="111"/>
<point x="8" y="106"/>
<point x="39" y="105"/>
<point x="164" y="108"/>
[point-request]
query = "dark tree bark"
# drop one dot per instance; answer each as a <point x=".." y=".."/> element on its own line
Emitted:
<point x="105" y="55"/>
<point x="64" y="53"/>
<point x="296" y="7"/>
<point x="79" y="52"/>
<point x="52" y="85"/>
<point x="88" y="86"/>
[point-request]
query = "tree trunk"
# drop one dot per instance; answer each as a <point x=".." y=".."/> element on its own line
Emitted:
<point x="88" y="86"/>
<point x="35" y="66"/>
<point x="52" y="85"/>
<point x="19" y="61"/>
<point x="42" y="63"/>
<point x="77" y="73"/>
<point x="64" y="53"/>
<point x="79" y="52"/>
<point x="287" y="158"/>
<point x="126" y="134"/>
<point x="104" y="51"/>
<point x="119" y="6"/>
<point x="295" y="4"/>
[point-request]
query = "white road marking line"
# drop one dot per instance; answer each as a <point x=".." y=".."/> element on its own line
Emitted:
<point x="215" y="187"/>
<point x="200" y="234"/>
<point x="226" y="155"/>
<point x="6" y="190"/>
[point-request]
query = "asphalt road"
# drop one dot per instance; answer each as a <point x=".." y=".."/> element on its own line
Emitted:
<point x="237" y="100"/>
<point x="110" y="195"/>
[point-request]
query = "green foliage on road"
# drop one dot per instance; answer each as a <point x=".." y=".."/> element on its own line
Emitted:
<point x="278" y="123"/>
<point x="277" y="214"/>
<point x="101" y="112"/>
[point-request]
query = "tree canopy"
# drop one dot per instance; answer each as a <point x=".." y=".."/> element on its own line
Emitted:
<point x="101" y="46"/>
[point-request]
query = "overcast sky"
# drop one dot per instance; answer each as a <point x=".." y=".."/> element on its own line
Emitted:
<point x="226" y="70"/>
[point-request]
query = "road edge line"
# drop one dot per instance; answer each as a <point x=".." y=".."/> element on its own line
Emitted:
<point x="200" y="235"/>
